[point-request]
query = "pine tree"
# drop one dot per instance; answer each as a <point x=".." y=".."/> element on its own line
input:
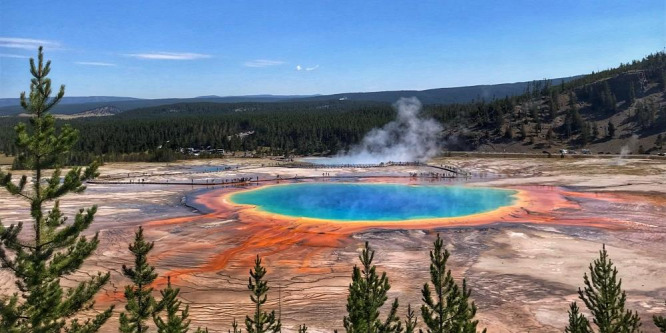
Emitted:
<point x="632" y="93"/>
<point x="176" y="320"/>
<point x="585" y="135"/>
<point x="411" y="320"/>
<point x="499" y="120"/>
<point x="449" y="310"/>
<point x="302" y="329"/>
<point x="261" y="321"/>
<point x="140" y="302"/>
<point x="234" y="327"/>
<point x="573" y="101"/>
<point x="577" y="322"/>
<point x="660" y="321"/>
<point x="367" y="294"/>
<point x="611" y="130"/>
<point x="553" y="106"/>
<point x="56" y="249"/>
<point x="605" y="299"/>
<point x="509" y="132"/>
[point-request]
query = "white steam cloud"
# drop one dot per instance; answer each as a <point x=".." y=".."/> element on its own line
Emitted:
<point x="307" y="69"/>
<point x="626" y="150"/>
<point x="409" y="138"/>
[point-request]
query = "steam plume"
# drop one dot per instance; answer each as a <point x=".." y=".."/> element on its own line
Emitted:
<point x="626" y="150"/>
<point x="408" y="138"/>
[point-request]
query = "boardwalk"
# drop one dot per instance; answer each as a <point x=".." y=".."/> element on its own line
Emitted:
<point x="144" y="178"/>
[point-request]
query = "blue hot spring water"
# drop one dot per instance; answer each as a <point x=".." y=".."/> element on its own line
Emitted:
<point x="374" y="202"/>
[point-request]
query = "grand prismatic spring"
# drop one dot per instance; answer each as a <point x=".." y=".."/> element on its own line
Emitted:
<point x="373" y="202"/>
<point x="511" y="228"/>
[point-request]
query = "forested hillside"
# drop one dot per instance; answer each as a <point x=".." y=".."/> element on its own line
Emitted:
<point x="441" y="95"/>
<point x="601" y="111"/>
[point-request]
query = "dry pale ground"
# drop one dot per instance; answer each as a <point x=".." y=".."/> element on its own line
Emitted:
<point x="523" y="274"/>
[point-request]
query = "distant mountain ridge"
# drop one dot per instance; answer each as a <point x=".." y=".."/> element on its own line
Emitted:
<point x="441" y="95"/>
<point x="127" y="103"/>
<point x="74" y="105"/>
<point x="259" y="96"/>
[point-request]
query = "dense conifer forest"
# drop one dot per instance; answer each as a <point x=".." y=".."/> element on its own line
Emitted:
<point x="575" y="113"/>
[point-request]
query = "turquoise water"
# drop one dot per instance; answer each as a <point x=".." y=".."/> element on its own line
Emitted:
<point x="374" y="202"/>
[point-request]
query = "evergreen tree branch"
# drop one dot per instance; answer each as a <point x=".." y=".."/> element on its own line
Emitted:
<point x="57" y="249"/>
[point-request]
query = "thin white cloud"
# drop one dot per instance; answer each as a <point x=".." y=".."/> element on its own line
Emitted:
<point x="307" y="69"/>
<point x="169" y="56"/>
<point x="8" y="55"/>
<point x="262" y="63"/>
<point x="27" y="43"/>
<point x="94" y="63"/>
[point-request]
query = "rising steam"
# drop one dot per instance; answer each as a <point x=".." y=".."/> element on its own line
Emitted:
<point x="626" y="150"/>
<point x="409" y="138"/>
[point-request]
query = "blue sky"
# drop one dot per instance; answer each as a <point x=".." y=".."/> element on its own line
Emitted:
<point x="156" y="49"/>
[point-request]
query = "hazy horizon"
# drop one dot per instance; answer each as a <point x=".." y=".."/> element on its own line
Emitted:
<point x="303" y="95"/>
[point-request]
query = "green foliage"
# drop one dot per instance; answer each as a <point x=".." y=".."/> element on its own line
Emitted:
<point x="660" y="321"/>
<point x="604" y="297"/>
<point x="234" y="327"/>
<point x="449" y="309"/>
<point x="261" y="321"/>
<point x="140" y="302"/>
<point x="595" y="130"/>
<point x="367" y="294"/>
<point x="611" y="129"/>
<point x="577" y="322"/>
<point x="574" y="122"/>
<point x="646" y="113"/>
<point x="176" y="320"/>
<point x="499" y="121"/>
<point x="585" y="134"/>
<point x="553" y="105"/>
<point x="56" y="248"/>
<point x="411" y="320"/>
